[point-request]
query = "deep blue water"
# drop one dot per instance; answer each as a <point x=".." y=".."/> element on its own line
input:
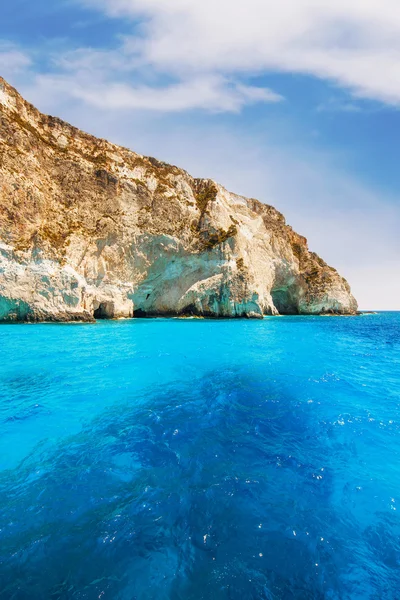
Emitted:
<point x="189" y="459"/>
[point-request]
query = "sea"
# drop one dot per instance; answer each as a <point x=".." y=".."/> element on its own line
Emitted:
<point x="190" y="459"/>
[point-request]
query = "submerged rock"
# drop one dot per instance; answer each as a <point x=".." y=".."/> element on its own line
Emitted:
<point x="92" y="230"/>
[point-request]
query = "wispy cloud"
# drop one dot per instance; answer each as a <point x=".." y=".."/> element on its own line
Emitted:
<point x="354" y="44"/>
<point x="212" y="93"/>
<point x="12" y="59"/>
<point x="117" y="79"/>
<point x="184" y="55"/>
<point x="339" y="105"/>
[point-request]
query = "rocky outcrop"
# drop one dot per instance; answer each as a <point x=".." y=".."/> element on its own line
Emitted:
<point x="92" y="230"/>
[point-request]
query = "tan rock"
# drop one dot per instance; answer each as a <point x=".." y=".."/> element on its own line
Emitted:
<point x="89" y="229"/>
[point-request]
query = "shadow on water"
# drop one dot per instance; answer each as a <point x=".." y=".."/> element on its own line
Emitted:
<point x="22" y="395"/>
<point x="218" y="491"/>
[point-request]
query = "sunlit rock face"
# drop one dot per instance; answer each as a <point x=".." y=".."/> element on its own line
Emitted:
<point x="92" y="230"/>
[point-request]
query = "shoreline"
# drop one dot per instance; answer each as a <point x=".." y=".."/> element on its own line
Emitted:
<point x="181" y="318"/>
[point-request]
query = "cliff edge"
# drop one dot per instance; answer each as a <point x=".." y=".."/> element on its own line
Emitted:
<point x="92" y="230"/>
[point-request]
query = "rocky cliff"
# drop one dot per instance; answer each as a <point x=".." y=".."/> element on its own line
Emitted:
<point x="89" y="229"/>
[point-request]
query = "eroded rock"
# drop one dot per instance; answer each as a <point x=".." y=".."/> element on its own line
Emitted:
<point x="92" y="230"/>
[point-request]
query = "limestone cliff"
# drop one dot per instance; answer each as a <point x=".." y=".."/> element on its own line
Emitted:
<point x="89" y="229"/>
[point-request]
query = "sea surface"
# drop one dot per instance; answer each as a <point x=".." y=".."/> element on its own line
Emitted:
<point x="168" y="459"/>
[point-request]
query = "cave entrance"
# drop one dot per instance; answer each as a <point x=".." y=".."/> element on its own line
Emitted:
<point x="105" y="310"/>
<point x="284" y="301"/>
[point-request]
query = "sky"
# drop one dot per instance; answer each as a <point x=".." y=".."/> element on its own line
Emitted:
<point x="296" y="103"/>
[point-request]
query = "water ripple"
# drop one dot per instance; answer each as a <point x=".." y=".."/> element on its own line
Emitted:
<point x="201" y="460"/>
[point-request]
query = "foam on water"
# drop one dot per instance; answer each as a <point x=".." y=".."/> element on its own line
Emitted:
<point x="189" y="459"/>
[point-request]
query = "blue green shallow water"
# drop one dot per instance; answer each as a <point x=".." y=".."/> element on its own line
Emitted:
<point x="189" y="459"/>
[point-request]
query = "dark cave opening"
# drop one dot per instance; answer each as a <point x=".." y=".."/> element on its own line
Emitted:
<point x="189" y="311"/>
<point x="284" y="301"/>
<point x="105" y="310"/>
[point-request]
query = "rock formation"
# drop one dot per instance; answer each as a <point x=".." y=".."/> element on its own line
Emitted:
<point x="92" y="230"/>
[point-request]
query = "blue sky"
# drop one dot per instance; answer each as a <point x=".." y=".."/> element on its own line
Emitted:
<point x="295" y="103"/>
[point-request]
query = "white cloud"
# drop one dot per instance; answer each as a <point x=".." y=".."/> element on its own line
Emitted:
<point x="118" y="80"/>
<point x="12" y="60"/>
<point x="213" y="93"/>
<point x="355" y="43"/>
<point x="339" y="105"/>
<point x="185" y="54"/>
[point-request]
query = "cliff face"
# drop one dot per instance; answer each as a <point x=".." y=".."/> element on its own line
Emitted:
<point x="89" y="229"/>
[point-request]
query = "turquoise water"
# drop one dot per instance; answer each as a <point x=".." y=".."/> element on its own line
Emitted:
<point x="189" y="459"/>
